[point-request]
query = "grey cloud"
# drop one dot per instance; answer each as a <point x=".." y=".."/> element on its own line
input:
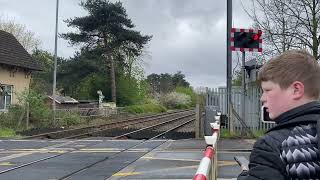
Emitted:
<point x="188" y="35"/>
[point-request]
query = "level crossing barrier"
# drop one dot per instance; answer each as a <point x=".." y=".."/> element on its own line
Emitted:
<point x="207" y="169"/>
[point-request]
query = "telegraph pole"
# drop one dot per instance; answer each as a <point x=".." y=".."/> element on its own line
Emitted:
<point x="55" y="66"/>
<point x="229" y="63"/>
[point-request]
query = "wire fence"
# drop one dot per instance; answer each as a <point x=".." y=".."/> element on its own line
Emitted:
<point x="91" y="112"/>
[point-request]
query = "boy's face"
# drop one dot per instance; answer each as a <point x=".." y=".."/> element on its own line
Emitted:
<point x="275" y="99"/>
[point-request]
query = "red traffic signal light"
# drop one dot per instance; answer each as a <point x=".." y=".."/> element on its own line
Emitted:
<point x="246" y="40"/>
<point x="256" y="37"/>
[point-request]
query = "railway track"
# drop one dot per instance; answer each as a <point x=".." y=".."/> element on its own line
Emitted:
<point x="179" y="122"/>
<point x="176" y="123"/>
<point x="92" y="130"/>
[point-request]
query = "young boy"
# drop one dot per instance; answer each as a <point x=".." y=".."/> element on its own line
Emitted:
<point x="290" y="150"/>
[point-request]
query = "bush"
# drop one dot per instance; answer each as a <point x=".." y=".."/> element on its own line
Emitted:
<point x="13" y="118"/>
<point x="176" y="100"/>
<point x="188" y="91"/>
<point x="130" y="91"/>
<point x="40" y="114"/>
<point x="68" y="119"/>
<point x="7" y="132"/>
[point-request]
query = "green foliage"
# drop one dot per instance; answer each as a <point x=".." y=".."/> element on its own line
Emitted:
<point x="129" y="91"/>
<point x="13" y="118"/>
<point x="68" y="119"/>
<point x="258" y="133"/>
<point x="108" y="23"/>
<point x="176" y="100"/>
<point x="42" y="80"/>
<point x="88" y="87"/>
<point x="145" y="108"/>
<point x="39" y="113"/>
<point x="236" y="134"/>
<point x="85" y="66"/>
<point x="166" y="83"/>
<point x="188" y="91"/>
<point x="224" y="133"/>
<point x="150" y="101"/>
<point x="7" y="132"/>
<point x="108" y="29"/>
<point x="178" y="80"/>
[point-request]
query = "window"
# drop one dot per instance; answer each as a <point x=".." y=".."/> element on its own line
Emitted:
<point x="6" y="97"/>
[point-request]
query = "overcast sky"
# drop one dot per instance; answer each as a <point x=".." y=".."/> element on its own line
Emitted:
<point x="188" y="35"/>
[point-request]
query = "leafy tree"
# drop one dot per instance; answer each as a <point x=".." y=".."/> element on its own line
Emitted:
<point x="287" y="24"/>
<point x="26" y="38"/>
<point x="129" y="91"/>
<point x="106" y="27"/>
<point x="72" y="73"/>
<point x="178" y="80"/>
<point x="154" y="83"/>
<point x="88" y="87"/>
<point x="165" y="83"/>
<point x="42" y="80"/>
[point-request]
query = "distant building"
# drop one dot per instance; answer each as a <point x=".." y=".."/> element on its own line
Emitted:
<point x="16" y="66"/>
<point x="63" y="102"/>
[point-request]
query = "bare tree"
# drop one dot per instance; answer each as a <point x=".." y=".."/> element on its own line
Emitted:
<point x="286" y="24"/>
<point x="26" y="38"/>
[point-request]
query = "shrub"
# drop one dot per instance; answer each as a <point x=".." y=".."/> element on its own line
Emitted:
<point x="40" y="114"/>
<point x="68" y="119"/>
<point x="13" y="118"/>
<point x="176" y="100"/>
<point x="7" y="132"/>
<point x="188" y="91"/>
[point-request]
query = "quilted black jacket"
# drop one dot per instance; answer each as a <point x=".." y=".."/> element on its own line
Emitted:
<point x="290" y="150"/>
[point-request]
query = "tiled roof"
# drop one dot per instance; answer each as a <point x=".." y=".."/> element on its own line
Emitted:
<point x="65" y="100"/>
<point x="12" y="53"/>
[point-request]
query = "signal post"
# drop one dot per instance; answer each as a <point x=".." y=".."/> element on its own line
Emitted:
<point x="245" y="40"/>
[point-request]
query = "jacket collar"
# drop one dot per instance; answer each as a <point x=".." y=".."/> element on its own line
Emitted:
<point x="304" y="113"/>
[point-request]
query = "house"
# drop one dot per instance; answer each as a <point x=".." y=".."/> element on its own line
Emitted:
<point x="16" y="66"/>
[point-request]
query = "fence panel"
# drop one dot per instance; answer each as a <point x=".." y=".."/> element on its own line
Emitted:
<point x="218" y="97"/>
<point x="90" y="112"/>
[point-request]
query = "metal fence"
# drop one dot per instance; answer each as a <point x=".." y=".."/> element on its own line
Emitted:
<point x="218" y="97"/>
<point x="91" y="112"/>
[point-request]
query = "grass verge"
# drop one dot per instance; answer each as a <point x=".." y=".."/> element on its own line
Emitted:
<point x="7" y="132"/>
<point x="237" y="134"/>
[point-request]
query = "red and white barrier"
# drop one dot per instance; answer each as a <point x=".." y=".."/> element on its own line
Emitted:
<point x="207" y="169"/>
<point x="205" y="165"/>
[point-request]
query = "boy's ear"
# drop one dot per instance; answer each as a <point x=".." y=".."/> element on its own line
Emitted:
<point x="298" y="90"/>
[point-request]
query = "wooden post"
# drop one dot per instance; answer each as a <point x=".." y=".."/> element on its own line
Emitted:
<point x="27" y="119"/>
<point x="197" y="122"/>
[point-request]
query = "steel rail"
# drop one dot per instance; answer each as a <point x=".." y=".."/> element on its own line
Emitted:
<point x="45" y="135"/>
<point x="159" y="124"/>
<point x="119" y="126"/>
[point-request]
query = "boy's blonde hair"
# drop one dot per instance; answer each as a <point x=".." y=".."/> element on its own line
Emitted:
<point x="293" y="65"/>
